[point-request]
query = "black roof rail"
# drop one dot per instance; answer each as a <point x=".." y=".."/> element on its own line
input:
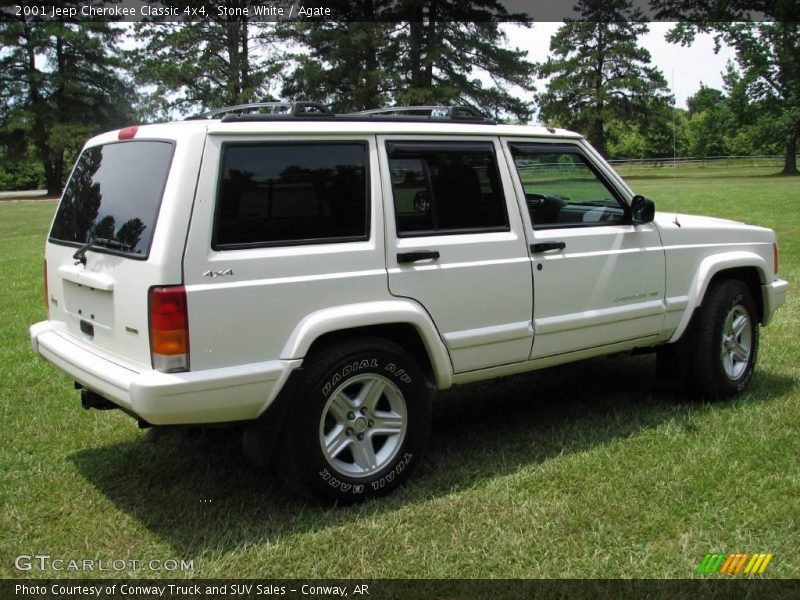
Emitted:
<point x="275" y="109"/>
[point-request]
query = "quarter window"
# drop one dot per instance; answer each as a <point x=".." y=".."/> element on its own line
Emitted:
<point x="292" y="193"/>
<point x="446" y="188"/>
<point x="562" y="190"/>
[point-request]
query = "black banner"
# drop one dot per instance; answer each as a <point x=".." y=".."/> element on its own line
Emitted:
<point x="380" y="589"/>
<point x="400" y="10"/>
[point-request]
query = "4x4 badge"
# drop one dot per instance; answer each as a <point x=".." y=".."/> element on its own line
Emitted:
<point x="211" y="273"/>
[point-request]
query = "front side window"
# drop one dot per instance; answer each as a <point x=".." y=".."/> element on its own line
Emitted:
<point x="446" y="187"/>
<point x="113" y="197"/>
<point x="288" y="193"/>
<point x="562" y="190"/>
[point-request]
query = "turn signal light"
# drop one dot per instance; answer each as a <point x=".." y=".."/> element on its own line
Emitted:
<point x="169" y="329"/>
<point x="46" y="292"/>
<point x="774" y="258"/>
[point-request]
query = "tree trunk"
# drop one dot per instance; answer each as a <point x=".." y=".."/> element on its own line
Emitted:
<point x="39" y="110"/>
<point x="597" y="133"/>
<point x="790" y="161"/>
<point x="244" y="90"/>
<point x="415" y="51"/>
<point x="234" y="72"/>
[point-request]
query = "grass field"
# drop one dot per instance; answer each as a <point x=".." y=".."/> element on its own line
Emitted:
<point x="588" y="470"/>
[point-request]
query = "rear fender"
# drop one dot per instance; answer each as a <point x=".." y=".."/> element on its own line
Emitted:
<point x="351" y="316"/>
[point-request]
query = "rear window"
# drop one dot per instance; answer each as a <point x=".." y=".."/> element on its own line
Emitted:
<point x="114" y="195"/>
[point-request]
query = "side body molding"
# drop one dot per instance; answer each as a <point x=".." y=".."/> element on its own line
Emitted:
<point x="710" y="266"/>
<point x="367" y="314"/>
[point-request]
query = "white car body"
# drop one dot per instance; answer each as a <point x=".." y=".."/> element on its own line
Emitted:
<point x="488" y="307"/>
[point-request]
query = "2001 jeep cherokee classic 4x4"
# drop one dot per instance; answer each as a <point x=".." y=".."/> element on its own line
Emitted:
<point x="314" y="274"/>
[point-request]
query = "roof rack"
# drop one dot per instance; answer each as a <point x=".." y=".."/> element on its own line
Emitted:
<point x="273" y="109"/>
<point x="315" y="111"/>
<point x="454" y="113"/>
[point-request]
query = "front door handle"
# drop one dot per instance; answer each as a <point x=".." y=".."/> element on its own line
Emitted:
<point x="547" y="246"/>
<point x="410" y="257"/>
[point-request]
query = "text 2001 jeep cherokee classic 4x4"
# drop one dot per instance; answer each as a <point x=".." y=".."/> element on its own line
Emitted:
<point x="314" y="274"/>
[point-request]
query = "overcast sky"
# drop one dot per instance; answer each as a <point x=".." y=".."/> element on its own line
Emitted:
<point x="690" y="65"/>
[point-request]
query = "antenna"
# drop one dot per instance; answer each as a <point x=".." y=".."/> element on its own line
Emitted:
<point x="674" y="155"/>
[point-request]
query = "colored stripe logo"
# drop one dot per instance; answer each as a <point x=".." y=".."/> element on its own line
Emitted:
<point x="733" y="564"/>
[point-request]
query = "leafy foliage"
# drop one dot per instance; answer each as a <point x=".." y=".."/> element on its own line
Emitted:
<point x="598" y="73"/>
<point x="430" y="58"/>
<point x="767" y="52"/>
<point x="60" y="83"/>
<point x="204" y="64"/>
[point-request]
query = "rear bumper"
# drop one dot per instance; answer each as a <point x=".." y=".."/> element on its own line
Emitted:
<point x="774" y="295"/>
<point x="235" y="393"/>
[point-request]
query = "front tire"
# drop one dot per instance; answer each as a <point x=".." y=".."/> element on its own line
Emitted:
<point x="358" y="423"/>
<point x="724" y="344"/>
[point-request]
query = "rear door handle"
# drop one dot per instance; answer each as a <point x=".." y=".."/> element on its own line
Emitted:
<point x="547" y="246"/>
<point x="410" y="257"/>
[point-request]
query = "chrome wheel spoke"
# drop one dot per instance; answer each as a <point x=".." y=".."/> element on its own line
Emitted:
<point x="387" y="423"/>
<point x="339" y="407"/>
<point x="371" y="394"/>
<point x="336" y="441"/>
<point x="739" y="325"/>
<point x="364" y="455"/>
<point x="740" y="353"/>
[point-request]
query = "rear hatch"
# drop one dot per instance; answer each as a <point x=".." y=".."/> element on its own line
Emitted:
<point x="120" y="230"/>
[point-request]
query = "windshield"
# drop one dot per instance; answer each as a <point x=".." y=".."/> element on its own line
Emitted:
<point x="114" y="195"/>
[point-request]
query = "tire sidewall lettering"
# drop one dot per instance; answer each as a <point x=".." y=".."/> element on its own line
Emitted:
<point x="356" y="366"/>
<point x="376" y="485"/>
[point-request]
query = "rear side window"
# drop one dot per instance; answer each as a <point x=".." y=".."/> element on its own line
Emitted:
<point x="446" y="187"/>
<point x="113" y="196"/>
<point x="292" y="193"/>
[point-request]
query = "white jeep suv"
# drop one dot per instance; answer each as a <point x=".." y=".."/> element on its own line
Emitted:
<point x="313" y="275"/>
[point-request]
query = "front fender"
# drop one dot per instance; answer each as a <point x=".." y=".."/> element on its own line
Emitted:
<point x="707" y="269"/>
<point x="351" y="316"/>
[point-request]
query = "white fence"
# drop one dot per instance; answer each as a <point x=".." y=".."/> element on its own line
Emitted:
<point x="774" y="160"/>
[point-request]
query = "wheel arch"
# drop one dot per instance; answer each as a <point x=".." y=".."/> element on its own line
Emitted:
<point x="748" y="267"/>
<point x="402" y="322"/>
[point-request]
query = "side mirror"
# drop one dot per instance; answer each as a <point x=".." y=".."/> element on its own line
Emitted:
<point x="643" y="210"/>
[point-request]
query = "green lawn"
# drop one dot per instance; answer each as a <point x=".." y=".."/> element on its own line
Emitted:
<point x="588" y="470"/>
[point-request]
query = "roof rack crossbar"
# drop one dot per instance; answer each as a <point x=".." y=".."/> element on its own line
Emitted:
<point x="457" y="112"/>
<point x="294" y="109"/>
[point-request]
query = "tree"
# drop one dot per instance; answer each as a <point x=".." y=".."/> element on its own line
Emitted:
<point x="706" y="98"/>
<point x="598" y="72"/>
<point x="767" y="52"/>
<point x="208" y="63"/>
<point x="342" y="64"/>
<point x="60" y="84"/>
<point x="423" y="52"/>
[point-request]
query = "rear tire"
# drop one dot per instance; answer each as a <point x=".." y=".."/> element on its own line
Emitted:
<point x="724" y="342"/>
<point x="358" y="423"/>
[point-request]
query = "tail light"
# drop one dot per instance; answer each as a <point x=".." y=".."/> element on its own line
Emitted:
<point x="775" y="258"/>
<point x="46" y="292"/>
<point x="169" y="329"/>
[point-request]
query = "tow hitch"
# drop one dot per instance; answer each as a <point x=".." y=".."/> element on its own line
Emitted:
<point x="91" y="400"/>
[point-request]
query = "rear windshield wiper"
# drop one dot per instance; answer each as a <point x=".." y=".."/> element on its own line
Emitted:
<point x="80" y="253"/>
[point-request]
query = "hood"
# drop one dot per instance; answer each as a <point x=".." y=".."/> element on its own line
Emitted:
<point x="695" y="229"/>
